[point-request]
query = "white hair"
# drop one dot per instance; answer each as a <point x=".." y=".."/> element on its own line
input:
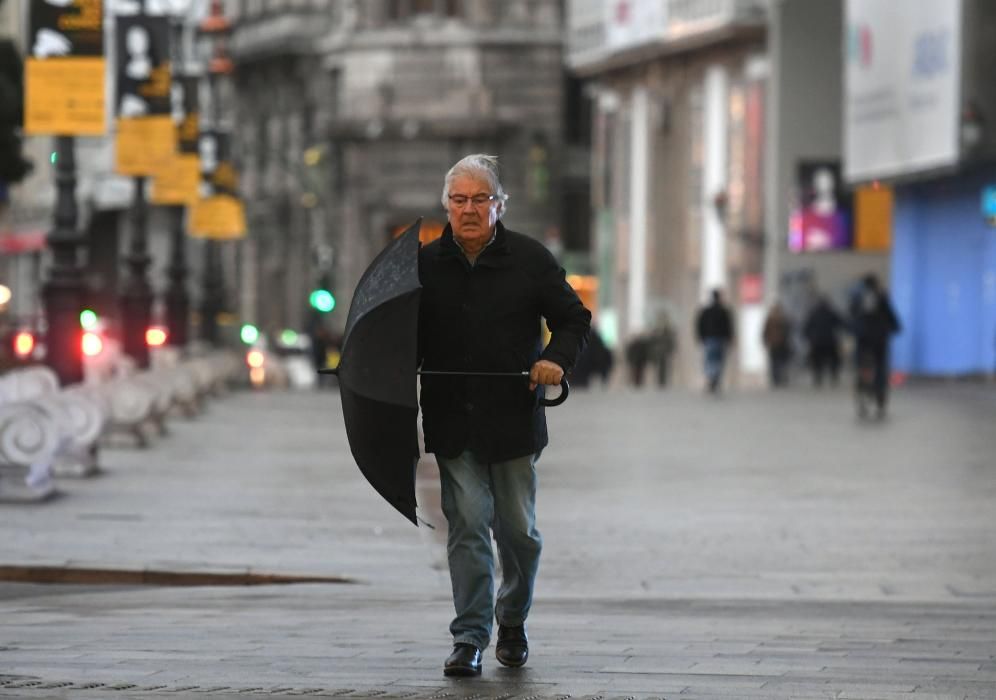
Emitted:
<point x="481" y="167"/>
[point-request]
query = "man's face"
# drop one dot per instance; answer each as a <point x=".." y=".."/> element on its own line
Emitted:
<point x="473" y="225"/>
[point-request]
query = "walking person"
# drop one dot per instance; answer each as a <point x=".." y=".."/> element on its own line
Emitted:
<point x="637" y="356"/>
<point x="714" y="329"/>
<point x="661" y="344"/>
<point x="777" y="341"/>
<point x="821" y="328"/>
<point x="874" y="321"/>
<point x="484" y="291"/>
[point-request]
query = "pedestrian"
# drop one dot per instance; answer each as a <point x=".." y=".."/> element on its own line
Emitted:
<point x="660" y="347"/>
<point x="595" y="359"/>
<point x="485" y="289"/>
<point x="821" y="328"/>
<point x="777" y="337"/>
<point x="714" y="329"/>
<point x="873" y="321"/>
<point x="637" y="355"/>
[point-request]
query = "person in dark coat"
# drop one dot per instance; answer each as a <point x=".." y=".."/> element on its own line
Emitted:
<point x="595" y="359"/>
<point x="873" y="321"/>
<point x="778" y="342"/>
<point x="821" y="328"/>
<point x="661" y="344"/>
<point x="714" y="329"/>
<point x="637" y="356"/>
<point x="485" y="290"/>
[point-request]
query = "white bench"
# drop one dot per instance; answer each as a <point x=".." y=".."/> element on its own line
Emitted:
<point x="78" y="418"/>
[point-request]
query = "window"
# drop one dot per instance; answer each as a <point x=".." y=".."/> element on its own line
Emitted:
<point x="398" y="10"/>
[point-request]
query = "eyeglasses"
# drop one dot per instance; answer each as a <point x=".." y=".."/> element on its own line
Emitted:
<point x="478" y="200"/>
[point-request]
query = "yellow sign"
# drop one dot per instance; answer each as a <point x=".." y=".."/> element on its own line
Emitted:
<point x="64" y="96"/>
<point x="873" y="218"/>
<point x="178" y="184"/>
<point x="221" y="217"/>
<point x="144" y="145"/>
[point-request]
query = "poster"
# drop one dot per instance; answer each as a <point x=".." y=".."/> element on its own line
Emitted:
<point x="179" y="182"/>
<point x="219" y="214"/>
<point x="64" y="74"/>
<point x="146" y="135"/>
<point x="821" y="219"/>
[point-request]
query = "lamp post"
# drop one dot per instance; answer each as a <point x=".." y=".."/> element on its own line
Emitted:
<point x="214" y="28"/>
<point x="177" y="299"/>
<point x="63" y="291"/>
<point x="136" y="295"/>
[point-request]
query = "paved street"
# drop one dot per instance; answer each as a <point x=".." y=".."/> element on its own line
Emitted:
<point x="756" y="546"/>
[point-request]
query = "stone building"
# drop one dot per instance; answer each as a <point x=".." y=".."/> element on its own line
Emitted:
<point x="678" y="152"/>
<point x="349" y="114"/>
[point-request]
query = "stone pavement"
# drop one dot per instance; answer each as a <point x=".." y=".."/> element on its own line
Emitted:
<point x="756" y="546"/>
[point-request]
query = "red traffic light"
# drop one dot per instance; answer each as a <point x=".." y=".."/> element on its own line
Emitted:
<point x="92" y="344"/>
<point x="24" y="344"/>
<point x="155" y="336"/>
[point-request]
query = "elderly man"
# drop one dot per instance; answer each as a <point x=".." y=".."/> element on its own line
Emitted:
<point x="485" y="290"/>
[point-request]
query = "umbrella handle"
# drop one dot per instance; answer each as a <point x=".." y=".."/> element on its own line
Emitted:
<point x="565" y="389"/>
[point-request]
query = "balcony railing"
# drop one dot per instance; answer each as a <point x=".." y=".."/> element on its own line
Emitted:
<point x="602" y="30"/>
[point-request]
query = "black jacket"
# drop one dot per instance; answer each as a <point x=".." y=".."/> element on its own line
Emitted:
<point x="714" y="322"/>
<point x="486" y="317"/>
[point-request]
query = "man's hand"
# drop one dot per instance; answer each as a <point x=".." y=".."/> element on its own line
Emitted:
<point x="545" y="372"/>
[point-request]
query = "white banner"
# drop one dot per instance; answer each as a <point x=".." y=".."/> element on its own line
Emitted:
<point x="902" y="86"/>
<point x="630" y="23"/>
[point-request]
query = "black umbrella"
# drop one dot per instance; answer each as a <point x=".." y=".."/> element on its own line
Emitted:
<point x="377" y="372"/>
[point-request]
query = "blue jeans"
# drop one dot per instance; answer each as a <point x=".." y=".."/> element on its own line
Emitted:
<point x="714" y="358"/>
<point x="479" y="499"/>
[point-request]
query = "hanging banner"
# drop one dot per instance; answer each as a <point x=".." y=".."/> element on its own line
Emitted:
<point x="179" y="182"/>
<point x="146" y="135"/>
<point x="902" y="87"/>
<point x="64" y="74"/>
<point x="219" y="214"/>
<point x="218" y="217"/>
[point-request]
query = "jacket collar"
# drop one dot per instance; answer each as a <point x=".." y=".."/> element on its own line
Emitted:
<point x="495" y="254"/>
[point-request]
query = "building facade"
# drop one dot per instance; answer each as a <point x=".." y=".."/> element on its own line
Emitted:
<point x="919" y="114"/>
<point x="350" y="113"/>
<point x="677" y="204"/>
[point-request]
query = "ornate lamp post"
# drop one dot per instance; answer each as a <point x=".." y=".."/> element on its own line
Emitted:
<point x="214" y="28"/>
<point x="63" y="291"/>
<point x="177" y="299"/>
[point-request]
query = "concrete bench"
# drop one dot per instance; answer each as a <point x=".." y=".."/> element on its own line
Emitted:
<point x="79" y="419"/>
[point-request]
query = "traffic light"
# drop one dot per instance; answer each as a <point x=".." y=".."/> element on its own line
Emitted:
<point x="155" y="336"/>
<point x="13" y="166"/>
<point x="92" y="344"/>
<point x="24" y="344"/>
<point x="249" y="334"/>
<point x="88" y="319"/>
<point x="322" y="300"/>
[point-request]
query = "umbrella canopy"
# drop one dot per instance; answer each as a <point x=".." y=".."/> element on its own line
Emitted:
<point x="377" y="372"/>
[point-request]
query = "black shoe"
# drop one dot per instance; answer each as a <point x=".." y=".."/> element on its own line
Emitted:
<point x="464" y="661"/>
<point x="513" y="646"/>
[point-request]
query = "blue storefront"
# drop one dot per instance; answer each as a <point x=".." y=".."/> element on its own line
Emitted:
<point x="944" y="277"/>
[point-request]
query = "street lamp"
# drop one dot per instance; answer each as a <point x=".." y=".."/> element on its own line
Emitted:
<point x="176" y="298"/>
<point x="63" y="291"/>
<point x="213" y="30"/>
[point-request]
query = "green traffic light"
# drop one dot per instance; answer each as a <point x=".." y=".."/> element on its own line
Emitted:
<point x="322" y="300"/>
<point x="53" y="158"/>
<point x="249" y="334"/>
<point x="88" y="319"/>
<point x="288" y="337"/>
